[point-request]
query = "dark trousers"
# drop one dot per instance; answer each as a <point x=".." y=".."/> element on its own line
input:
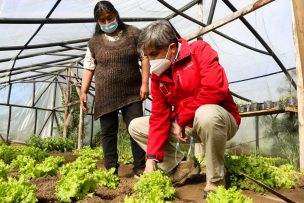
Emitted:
<point x="109" y="129"/>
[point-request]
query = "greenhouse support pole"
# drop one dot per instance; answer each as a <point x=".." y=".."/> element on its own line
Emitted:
<point x="257" y="137"/>
<point x="53" y="108"/>
<point x="234" y="16"/>
<point x="80" y="128"/>
<point x="9" y="123"/>
<point x="48" y="118"/>
<point x="3" y="140"/>
<point x="200" y="16"/>
<point x="81" y="115"/>
<point x="35" y="121"/>
<point x="92" y="124"/>
<point x="33" y="104"/>
<point x="66" y="102"/>
<point x="298" y="26"/>
<point x="92" y="131"/>
<point x="34" y="91"/>
<point x="211" y="12"/>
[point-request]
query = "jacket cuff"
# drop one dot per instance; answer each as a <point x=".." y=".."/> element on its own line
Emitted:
<point x="179" y="121"/>
<point x="155" y="157"/>
<point x="182" y="122"/>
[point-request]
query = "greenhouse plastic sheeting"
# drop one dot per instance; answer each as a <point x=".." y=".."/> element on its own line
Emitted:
<point x="273" y="23"/>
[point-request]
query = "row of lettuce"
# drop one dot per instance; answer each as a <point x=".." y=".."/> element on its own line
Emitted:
<point x="19" y="164"/>
<point x="274" y="172"/>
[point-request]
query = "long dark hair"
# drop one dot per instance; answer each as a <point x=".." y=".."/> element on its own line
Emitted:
<point x="106" y="6"/>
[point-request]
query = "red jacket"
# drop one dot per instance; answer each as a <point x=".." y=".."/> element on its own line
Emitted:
<point x="198" y="79"/>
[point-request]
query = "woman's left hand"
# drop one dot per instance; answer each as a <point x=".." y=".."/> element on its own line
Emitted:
<point x="150" y="166"/>
<point x="144" y="91"/>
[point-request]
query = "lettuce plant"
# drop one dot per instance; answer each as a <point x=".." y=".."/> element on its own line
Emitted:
<point x="152" y="187"/>
<point x="232" y="195"/>
<point x="15" y="190"/>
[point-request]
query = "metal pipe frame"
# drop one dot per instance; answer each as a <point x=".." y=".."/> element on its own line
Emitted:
<point x="27" y="68"/>
<point x="215" y="31"/>
<point x="46" y="122"/>
<point x="263" y="42"/>
<point x="66" y="20"/>
<point x="71" y="47"/>
<point x="53" y="105"/>
<point x="35" y="121"/>
<point x="91" y="20"/>
<point x="35" y="102"/>
<point x="211" y="12"/>
<point x="32" y="37"/>
<point x="12" y="48"/>
<point x="261" y="76"/>
<point x="182" y="9"/>
<point x="39" y="54"/>
<point x="240" y="97"/>
<point x="73" y="55"/>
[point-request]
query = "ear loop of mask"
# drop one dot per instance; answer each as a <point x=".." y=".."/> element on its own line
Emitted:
<point x="177" y="148"/>
<point x="168" y="53"/>
<point x="190" y="147"/>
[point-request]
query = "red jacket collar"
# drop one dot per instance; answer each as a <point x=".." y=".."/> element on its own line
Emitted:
<point x="184" y="50"/>
<point x="162" y="77"/>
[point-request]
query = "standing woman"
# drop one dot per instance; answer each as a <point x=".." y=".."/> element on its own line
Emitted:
<point x="113" y="59"/>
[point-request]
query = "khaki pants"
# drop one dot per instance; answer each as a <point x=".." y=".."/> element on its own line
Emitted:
<point x="212" y="126"/>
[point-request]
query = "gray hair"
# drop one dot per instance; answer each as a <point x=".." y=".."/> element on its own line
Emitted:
<point x="157" y="35"/>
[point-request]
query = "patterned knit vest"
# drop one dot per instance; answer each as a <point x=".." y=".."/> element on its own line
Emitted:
<point x="117" y="74"/>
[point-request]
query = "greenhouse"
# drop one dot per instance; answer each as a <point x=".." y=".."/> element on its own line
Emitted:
<point x="50" y="149"/>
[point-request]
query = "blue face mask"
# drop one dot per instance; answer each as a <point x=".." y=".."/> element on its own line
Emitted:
<point x="110" y="27"/>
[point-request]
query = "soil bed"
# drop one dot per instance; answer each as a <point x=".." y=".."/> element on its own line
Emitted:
<point x="191" y="192"/>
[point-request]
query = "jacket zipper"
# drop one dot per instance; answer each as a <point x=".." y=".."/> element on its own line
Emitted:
<point x="179" y="78"/>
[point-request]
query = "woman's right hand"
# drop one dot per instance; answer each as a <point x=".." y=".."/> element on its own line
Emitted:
<point x="84" y="102"/>
<point x="144" y="91"/>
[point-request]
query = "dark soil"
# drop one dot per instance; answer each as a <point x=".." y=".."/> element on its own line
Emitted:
<point x="46" y="188"/>
<point x="191" y="192"/>
<point x="68" y="156"/>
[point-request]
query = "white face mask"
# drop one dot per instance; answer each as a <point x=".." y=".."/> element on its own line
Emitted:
<point x="158" y="66"/>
